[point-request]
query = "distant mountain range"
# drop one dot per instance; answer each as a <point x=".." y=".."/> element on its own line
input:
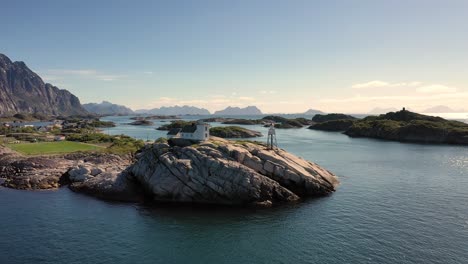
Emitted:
<point x="249" y="110"/>
<point x="107" y="108"/>
<point x="174" y="110"/>
<point x="313" y="112"/>
<point x="23" y="91"/>
<point x="442" y="109"/>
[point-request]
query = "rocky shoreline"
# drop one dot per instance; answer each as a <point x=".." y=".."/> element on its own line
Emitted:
<point x="48" y="172"/>
<point x="213" y="172"/>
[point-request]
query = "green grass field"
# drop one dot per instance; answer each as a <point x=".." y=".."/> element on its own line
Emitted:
<point x="52" y="147"/>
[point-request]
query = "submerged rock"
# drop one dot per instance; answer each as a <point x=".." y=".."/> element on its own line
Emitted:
<point x="227" y="172"/>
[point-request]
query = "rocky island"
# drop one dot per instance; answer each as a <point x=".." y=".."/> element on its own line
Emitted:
<point x="332" y="122"/>
<point x="141" y="122"/>
<point x="234" y="132"/>
<point x="402" y="126"/>
<point x="406" y="126"/>
<point x="217" y="171"/>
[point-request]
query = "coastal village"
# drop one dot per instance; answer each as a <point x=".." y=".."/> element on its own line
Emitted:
<point x="47" y="131"/>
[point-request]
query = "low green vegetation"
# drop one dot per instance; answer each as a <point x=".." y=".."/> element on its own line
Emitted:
<point x="175" y="124"/>
<point x="282" y="122"/>
<point x="161" y="140"/>
<point x="333" y="125"/>
<point x="244" y="121"/>
<point x="44" y="148"/>
<point x="101" y="124"/>
<point x="332" y="117"/>
<point x="408" y="126"/>
<point x="233" y="132"/>
<point x="120" y="144"/>
<point x="25" y="117"/>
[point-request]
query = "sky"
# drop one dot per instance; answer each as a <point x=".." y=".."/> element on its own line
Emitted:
<point x="283" y="56"/>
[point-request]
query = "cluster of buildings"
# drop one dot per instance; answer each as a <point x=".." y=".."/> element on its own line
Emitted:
<point x="40" y="126"/>
<point x="14" y="129"/>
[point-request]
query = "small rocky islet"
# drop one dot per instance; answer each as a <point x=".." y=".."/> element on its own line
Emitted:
<point x="401" y="126"/>
<point x="216" y="171"/>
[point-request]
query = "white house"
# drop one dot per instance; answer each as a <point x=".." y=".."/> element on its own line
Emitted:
<point x="196" y="131"/>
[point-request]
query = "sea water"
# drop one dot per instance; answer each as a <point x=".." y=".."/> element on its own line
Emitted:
<point x="397" y="203"/>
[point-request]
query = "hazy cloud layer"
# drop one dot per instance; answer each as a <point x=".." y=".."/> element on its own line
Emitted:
<point x="61" y="74"/>
<point x="416" y="95"/>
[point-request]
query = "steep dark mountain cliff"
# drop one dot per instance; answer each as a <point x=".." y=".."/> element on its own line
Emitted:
<point x="23" y="91"/>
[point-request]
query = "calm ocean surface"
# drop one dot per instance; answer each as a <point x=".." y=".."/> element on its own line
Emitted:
<point x="397" y="203"/>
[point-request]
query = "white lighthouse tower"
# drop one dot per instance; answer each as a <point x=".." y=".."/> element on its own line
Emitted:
<point x="271" y="141"/>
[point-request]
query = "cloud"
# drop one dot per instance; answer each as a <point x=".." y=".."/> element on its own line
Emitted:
<point x="436" y="88"/>
<point x="148" y="72"/>
<point x="245" y="98"/>
<point x="49" y="78"/>
<point x="370" y="84"/>
<point x="85" y="72"/>
<point x="380" y="84"/>
<point x="267" y="92"/>
<point x="416" y="95"/>
<point x="109" y="77"/>
<point x="55" y="74"/>
<point x="401" y="98"/>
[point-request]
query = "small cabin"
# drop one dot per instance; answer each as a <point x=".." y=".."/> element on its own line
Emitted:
<point x="199" y="131"/>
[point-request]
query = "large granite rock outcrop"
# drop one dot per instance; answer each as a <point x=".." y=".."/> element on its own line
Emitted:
<point x="226" y="172"/>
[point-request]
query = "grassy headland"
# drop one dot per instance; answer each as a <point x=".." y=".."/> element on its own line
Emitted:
<point x="45" y="148"/>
